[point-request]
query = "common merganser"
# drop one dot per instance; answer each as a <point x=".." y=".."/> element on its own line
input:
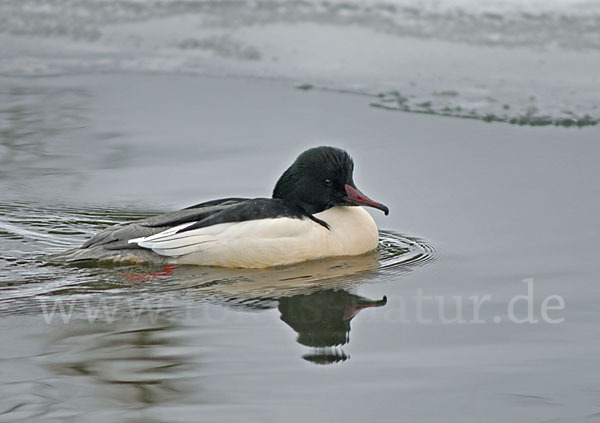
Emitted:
<point x="314" y="213"/>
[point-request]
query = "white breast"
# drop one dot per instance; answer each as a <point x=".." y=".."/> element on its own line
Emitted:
<point x="269" y="242"/>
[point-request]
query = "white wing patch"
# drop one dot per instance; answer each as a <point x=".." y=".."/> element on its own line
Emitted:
<point x="231" y="239"/>
<point x="166" y="232"/>
<point x="170" y="243"/>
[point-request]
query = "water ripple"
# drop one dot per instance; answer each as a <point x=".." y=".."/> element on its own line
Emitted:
<point x="29" y="233"/>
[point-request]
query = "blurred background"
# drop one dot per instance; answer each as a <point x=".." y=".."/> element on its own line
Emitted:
<point x="475" y="121"/>
<point x="532" y="62"/>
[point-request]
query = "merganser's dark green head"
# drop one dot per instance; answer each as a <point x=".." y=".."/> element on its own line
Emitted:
<point x="321" y="178"/>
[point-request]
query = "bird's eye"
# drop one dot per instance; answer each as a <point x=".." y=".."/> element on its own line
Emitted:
<point x="328" y="182"/>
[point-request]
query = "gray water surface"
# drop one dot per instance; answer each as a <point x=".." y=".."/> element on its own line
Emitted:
<point x="477" y="209"/>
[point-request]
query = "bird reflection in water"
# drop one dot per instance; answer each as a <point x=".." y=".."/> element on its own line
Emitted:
<point x="131" y="367"/>
<point x="312" y="297"/>
<point x="151" y="362"/>
<point x="159" y="359"/>
<point x="322" y="321"/>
